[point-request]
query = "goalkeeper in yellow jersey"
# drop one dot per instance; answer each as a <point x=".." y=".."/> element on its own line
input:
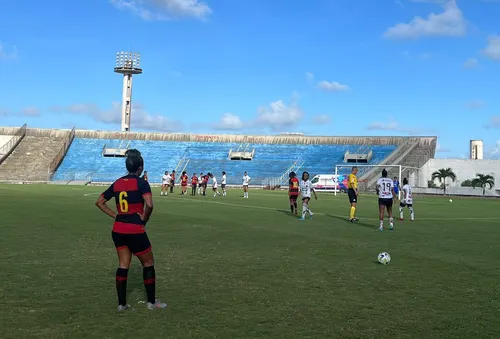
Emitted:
<point x="352" y="192"/>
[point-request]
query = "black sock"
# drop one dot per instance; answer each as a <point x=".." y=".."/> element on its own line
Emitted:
<point x="291" y="208"/>
<point x="295" y="205"/>
<point x="148" y="273"/>
<point x="121" y="285"/>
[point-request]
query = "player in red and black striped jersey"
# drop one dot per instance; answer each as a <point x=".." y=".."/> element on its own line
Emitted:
<point x="184" y="183"/>
<point x="134" y="204"/>
<point x="293" y="191"/>
<point x="194" y="183"/>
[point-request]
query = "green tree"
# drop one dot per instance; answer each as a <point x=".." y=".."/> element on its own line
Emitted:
<point x="466" y="183"/>
<point x="483" y="180"/>
<point x="442" y="174"/>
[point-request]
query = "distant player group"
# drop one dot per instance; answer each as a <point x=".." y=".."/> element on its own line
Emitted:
<point x="134" y="205"/>
<point x="387" y="191"/>
<point x="199" y="183"/>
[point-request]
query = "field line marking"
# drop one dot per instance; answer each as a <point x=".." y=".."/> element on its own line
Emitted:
<point x="317" y="213"/>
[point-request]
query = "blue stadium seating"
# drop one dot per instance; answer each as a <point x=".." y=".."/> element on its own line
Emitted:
<point x="84" y="160"/>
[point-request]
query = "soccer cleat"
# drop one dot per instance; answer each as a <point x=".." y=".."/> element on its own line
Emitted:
<point x="381" y="229"/>
<point x="310" y="217"/>
<point x="302" y="218"/>
<point x="123" y="308"/>
<point x="158" y="305"/>
<point x="391" y="227"/>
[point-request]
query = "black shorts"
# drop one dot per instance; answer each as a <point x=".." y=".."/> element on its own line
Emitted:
<point x="223" y="186"/>
<point x="137" y="243"/>
<point x="402" y="204"/>
<point x="352" y="196"/>
<point x="293" y="197"/>
<point x="385" y="202"/>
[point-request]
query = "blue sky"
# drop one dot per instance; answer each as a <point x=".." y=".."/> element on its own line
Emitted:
<point x="322" y="67"/>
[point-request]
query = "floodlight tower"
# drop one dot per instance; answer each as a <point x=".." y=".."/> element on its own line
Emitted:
<point x="127" y="63"/>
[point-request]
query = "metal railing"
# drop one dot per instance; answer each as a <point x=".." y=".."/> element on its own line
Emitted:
<point x="61" y="154"/>
<point x="9" y="147"/>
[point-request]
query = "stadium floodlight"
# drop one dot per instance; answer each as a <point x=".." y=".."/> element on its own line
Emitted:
<point x="127" y="63"/>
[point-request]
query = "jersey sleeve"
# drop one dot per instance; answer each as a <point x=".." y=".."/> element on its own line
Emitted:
<point x="144" y="188"/>
<point x="109" y="193"/>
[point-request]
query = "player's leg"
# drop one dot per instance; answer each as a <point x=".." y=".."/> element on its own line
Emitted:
<point x="291" y="200"/>
<point x="142" y="249"/>
<point x="401" y="210"/>
<point x="412" y="212"/>
<point x="353" y="201"/>
<point x="309" y="209"/>
<point x="381" y="210"/>
<point x="389" y="212"/>
<point x="124" y="257"/>
<point x="305" y="208"/>
<point x="162" y="189"/>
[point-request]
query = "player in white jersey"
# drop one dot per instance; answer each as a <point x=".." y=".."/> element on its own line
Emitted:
<point x="246" y="181"/>
<point x="215" y="186"/>
<point x="223" y="183"/>
<point x="165" y="183"/>
<point x="200" y="183"/>
<point x="386" y="196"/>
<point x="306" y="189"/>
<point x="407" y="201"/>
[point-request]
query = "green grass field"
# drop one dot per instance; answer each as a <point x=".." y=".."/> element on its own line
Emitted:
<point x="245" y="268"/>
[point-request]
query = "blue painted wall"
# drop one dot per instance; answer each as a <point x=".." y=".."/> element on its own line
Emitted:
<point x="84" y="159"/>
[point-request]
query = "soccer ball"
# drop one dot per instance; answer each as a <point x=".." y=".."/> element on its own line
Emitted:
<point x="384" y="258"/>
<point x="451" y="200"/>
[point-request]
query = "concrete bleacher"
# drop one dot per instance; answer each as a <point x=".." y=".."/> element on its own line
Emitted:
<point x="84" y="160"/>
<point x="76" y="155"/>
<point x="4" y="139"/>
<point x="30" y="160"/>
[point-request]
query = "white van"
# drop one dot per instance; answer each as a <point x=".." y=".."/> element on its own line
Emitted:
<point x="328" y="182"/>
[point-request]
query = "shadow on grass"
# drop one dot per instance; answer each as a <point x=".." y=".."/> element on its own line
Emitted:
<point x="354" y="223"/>
<point x="287" y="212"/>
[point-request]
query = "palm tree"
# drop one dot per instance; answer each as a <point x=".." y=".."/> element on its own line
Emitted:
<point x="442" y="174"/>
<point x="483" y="180"/>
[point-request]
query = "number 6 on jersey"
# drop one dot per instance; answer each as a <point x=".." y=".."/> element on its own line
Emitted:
<point x="122" y="202"/>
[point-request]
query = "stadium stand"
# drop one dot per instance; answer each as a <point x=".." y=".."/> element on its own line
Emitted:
<point x="64" y="159"/>
<point x="31" y="157"/>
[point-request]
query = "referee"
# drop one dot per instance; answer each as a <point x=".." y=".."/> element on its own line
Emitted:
<point x="352" y="192"/>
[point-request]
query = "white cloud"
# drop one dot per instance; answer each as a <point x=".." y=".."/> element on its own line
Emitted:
<point x="141" y="119"/>
<point x="475" y="104"/>
<point x="394" y="126"/>
<point x="492" y="51"/>
<point x="421" y="56"/>
<point x="471" y="63"/>
<point x="309" y="76"/>
<point x="332" y="86"/>
<point x="322" y="119"/>
<point x="229" y="122"/>
<point x="441" y="149"/>
<point x="164" y="9"/>
<point x="30" y="111"/>
<point x="278" y="115"/>
<point x="495" y="152"/>
<point x="448" y="23"/>
<point x="494" y="122"/>
<point x="8" y="53"/>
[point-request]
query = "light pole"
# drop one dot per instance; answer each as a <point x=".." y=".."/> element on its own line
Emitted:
<point x="127" y="63"/>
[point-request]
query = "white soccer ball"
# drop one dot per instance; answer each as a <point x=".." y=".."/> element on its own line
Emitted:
<point x="451" y="200"/>
<point x="384" y="258"/>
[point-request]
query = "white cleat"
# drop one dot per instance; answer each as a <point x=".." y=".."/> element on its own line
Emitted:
<point x="123" y="308"/>
<point x="158" y="305"/>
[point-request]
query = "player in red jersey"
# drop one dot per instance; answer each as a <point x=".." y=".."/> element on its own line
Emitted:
<point x="145" y="176"/>
<point x="293" y="191"/>
<point x="184" y="183"/>
<point x="172" y="182"/>
<point x="206" y="177"/>
<point x="194" y="183"/>
<point x="134" y="204"/>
